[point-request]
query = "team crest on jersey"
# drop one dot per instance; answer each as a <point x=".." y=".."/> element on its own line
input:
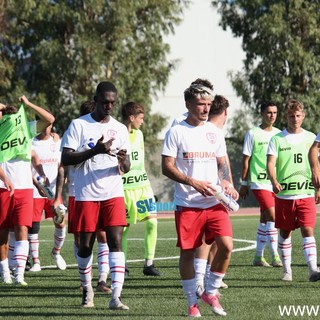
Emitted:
<point x="211" y="137"/>
<point x="111" y="133"/>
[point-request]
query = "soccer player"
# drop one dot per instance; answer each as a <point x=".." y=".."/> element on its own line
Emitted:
<point x="36" y="164"/>
<point x="289" y="171"/>
<point x="254" y="172"/>
<point x="139" y="197"/>
<point x="98" y="187"/>
<point x="205" y="254"/>
<point x="194" y="156"/>
<point x="47" y="146"/>
<point x="67" y="173"/>
<point x="16" y="162"/>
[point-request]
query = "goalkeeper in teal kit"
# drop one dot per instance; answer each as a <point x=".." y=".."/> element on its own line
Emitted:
<point x="139" y="197"/>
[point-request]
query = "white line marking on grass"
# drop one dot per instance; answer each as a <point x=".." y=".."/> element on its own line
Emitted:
<point x="131" y="239"/>
<point x="244" y="218"/>
<point x="161" y="239"/>
<point x="55" y="267"/>
<point x="250" y="247"/>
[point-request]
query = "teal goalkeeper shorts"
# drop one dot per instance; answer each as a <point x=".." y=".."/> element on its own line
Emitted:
<point x="140" y="204"/>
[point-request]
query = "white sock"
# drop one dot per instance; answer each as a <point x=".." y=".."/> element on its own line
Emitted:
<point x="117" y="270"/>
<point x="285" y="249"/>
<point x="214" y="282"/>
<point x="190" y="289"/>
<point x="21" y="251"/>
<point x="261" y="239"/>
<point x="272" y="238"/>
<point x="148" y="262"/>
<point x="103" y="261"/>
<point x="59" y="237"/>
<point x="4" y="266"/>
<point x="200" y="270"/>
<point x="310" y="252"/>
<point x="208" y="269"/>
<point x="34" y="247"/>
<point x="85" y="270"/>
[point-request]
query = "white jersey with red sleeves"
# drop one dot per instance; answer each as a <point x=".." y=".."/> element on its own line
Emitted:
<point x="48" y="151"/>
<point x="196" y="150"/>
<point x="98" y="178"/>
<point x="19" y="171"/>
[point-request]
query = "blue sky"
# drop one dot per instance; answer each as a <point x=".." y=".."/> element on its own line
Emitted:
<point x="204" y="51"/>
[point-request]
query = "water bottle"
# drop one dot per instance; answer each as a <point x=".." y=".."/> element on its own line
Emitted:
<point x="225" y="199"/>
<point x="47" y="191"/>
<point x="60" y="212"/>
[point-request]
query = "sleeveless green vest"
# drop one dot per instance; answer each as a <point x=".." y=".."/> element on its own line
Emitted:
<point x="293" y="169"/>
<point x="258" y="160"/>
<point x="15" y="136"/>
<point x="137" y="176"/>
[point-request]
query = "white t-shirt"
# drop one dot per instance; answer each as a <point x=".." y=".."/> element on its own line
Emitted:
<point x="248" y="149"/>
<point x="317" y="137"/>
<point x="49" y="154"/>
<point x="196" y="150"/>
<point x="19" y="171"/>
<point x="98" y="178"/>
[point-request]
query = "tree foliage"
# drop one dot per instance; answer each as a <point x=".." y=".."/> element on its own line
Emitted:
<point x="281" y="40"/>
<point x="57" y="51"/>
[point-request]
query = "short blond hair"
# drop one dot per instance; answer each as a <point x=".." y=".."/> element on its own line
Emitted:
<point x="293" y="105"/>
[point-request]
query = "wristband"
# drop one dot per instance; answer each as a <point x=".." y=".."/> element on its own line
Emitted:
<point x="244" y="183"/>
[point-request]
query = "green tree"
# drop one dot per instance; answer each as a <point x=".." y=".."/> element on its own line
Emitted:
<point x="57" y="52"/>
<point x="281" y="39"/>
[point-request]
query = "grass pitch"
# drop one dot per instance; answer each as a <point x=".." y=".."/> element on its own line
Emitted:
<point x="253" y="293"/>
